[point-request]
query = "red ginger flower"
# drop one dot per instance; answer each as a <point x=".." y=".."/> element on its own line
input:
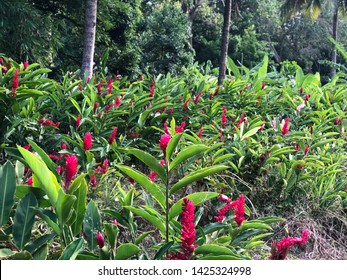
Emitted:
<point x="100" y="240"/>
<point x="242" y="119"/>
<point x="78" y="121"/>
<point x="96" y="105"/>
<point x="306" y="150"/>
<point x="285" y="126"/>
<point x="180" y="128"/>
<point x="45" y="122"/>
<point x="164" y="141"/>
<point x="15" y="81"/>
<point x="30" y="181"/>
<point x="337" y="121"/>
<point x="25" y="65"/>
<point x="87" y="141"/>
<point x="71" y="164"/>
<point x="93" y="182"/>
<point x="185" y="105"/>
<point x="113" y="135"/>
<point x="238" y="206"/>
<point x="166" y="129"/>
<point x="109" y="86"/>
<point x="196" y="99"/>
<point x="200" y="132"/>
<point x="118" y="102"/>
<point x="27" y="147"/>
<point x="105" y="166"/>
<point x="280" y="250"/>
<point x="153" y="174"/>
<point x="99" y="87"/>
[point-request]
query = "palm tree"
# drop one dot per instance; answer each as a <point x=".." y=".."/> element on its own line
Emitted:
<point x="312" y="9"/>
<point x="89" y="38"/>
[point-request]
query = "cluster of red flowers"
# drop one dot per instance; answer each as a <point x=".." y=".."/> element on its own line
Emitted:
<point x="279" y="250"/>
<point x="164" y="141"/>
<point x="87" y="141"/>
<point x="151" y="89"/>
<point x="180" y="128"/>
<point x="78" y="121"/>
<point x="45" y="122"/>
<point x="196" y="98"/>
<point x="200" y="132"/>
<point x="99" y="87"/>
<point x="113" y="135"/>
<point x="224" y="120"/>
<point x="109" y="86"/>
<point x="188" y="233"/>
<point x="242" y="119"/>
<point x="71" y="164"/>
<point x="337" y="121"/>
<point x="185" y="105"/>
<point x="15" y="81"/>
<point x="238" y="206"/>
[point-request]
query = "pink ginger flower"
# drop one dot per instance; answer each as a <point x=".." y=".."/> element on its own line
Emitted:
<point x="297" y="147"/>
<point x="171" y="111"/>
<point x="27" y="147"/>
<point x="307" y="97"/>
<point x="109" y="86"/>
<point x="15" y="81"/>
<point x="185" y="105"/>
<point x="180" y="128"/>
<point x="166" y="128"/>
<point x="151" y="89"/>
<point x="99" y="87"/>
<point x="25" y="65"/>
<point x="45" y="122"/>
<point x="100" y="240"/>
<point x="238" y="206"/>
<point x="279" y="250"/>
<point x="93" y="182"/>
<point x="306" y="150"/>
<point x="242" y="119"/>
<point x="300" y="106"/>
<point x="87" y="141"/>
<point x="78" y="121"/>
<point x="71" y="164"/>
<point x="118" y="102"/>
<point x="337" y="121"/>
<point x="105" y="166"/>
<point x="63" y="146"/>
<point x="30" y="181"/>
<point x="113" y="135"/>
<point x="196" y="99"/>
<point x="224" y="119"/>
<point x="285" y="126"/>
<point x="200" y="132"/>
<point x="152" y="176"/>
<point x="164" y="141"/>
<point x="96" y="105"/>
<point x="60" y="169"/>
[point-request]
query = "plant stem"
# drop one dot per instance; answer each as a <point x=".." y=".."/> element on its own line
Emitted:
<point x="167" y="201"/>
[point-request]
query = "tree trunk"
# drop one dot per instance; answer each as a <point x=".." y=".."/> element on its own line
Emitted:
<point x="191" y="13"/>
<point x="334" y="35"/>
<point x="225" y="42"/>
<point x="89" y="38"/>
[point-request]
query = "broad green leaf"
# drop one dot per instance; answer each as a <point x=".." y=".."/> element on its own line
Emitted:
<point x="250" y="133"/>
<point x="5" y="253"/>
<point x="263" y="69"/>
<point x="79" y="189"/>
<point x="64" y="206"/>
<point x="142" y="236"/>
<point x="222" y="158"/>
<point x="163" y="249"/>
<point x="46" y="177"/>
<point x="172" y="145"/>
<point x="41" y="253"/>
<point x="83" y="255"/>
<point x="24" y="220"/>
<point x="187" y="153"/>
<point x="253" y="244"/>
<point x="150" y="161"/>
<point x="40" y="242"/>
<point x="214" y="227"/>
<point x="197" y="198"/>
<point x="270" y="220"/>
<point x="125" y="251"/>
<point x="7" y="191"/>
<point x="245" y="235"/>
<point x="111" y="232"/>
<point x="254" y="225"/>
<point x="233" y="68"/>
<point x="159" y="224"/>
<point x="46" y="159"/>
<point x="197" y="175"/>
<point x="145" y="182"/>
<point x="213" y="249"/>
<point x="23" y="255"/>
<point x="91" y="224"/>
<point x="71" y="251"/>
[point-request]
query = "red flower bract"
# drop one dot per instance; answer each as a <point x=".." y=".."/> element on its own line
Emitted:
<point x="15" y="81"/>
<point x="238" y="206"/>
<point x="285" y="127"/>
<point x="100" y="239"/>
<point x="93" y="182"/>
<point x="163" y="142"/>
<point x="71" y="164"/>
<point x="78" y="121"/>
<point x="87" y="141"/>
<point x="113" y="135"/>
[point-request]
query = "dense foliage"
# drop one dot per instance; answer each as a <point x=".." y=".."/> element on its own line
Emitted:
<point x="168" y="167"/>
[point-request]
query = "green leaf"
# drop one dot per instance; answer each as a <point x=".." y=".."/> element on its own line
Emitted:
<point x="213" y="249"/>
<point x="246" y="235"/>
<point x="125" y="251"/>
<point x="83" y="255"/>
<point x="270" y="220"/>
<point x="187" y="153"/>
<point x="7" y="191"/>
<point x="163" y="250"/>
<point x="24" y="220"/>
<point x="64" y="206"/>
<point x="46" y="159"/>
<point x="71" y="251"/>
<point x="263" y="69"/>
<point x="111" y="232"/>
<point x="172" y="145"/>
<point x="40" y="242"/>
<point x="197" y="198"/>
<point x="233" y="68"/>
<point x="197" y="175"/>
<point x="254" y="244"/>
<point x="150" y="161"/>
<point x="148" y="216"/>
<point x="46" y="217"/>
<point x="250" y="133"/>
<point x="79" y="189"/>
<point x="23" y="255"/>
<point x="46" y="177"/>
<point x="214" y="227"/>
<point x="254" y="225"/>
<point x="222" y="257"/>
<point x="91" y="224"/>
<point x="145" y="182"/>
<point x="5" y="253"/>
<point x="41" y="253"/>
<point x="142" y="236"/>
